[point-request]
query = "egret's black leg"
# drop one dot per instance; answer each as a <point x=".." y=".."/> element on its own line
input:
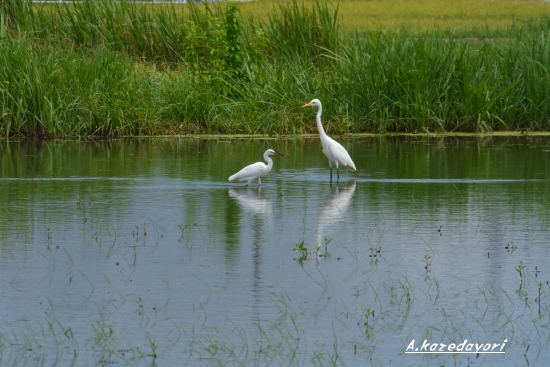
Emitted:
<point x="337" y="175"/>
<point x="330" y="174"/>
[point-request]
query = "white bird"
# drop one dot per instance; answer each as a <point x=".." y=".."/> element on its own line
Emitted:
<point x="336" y="153"/>
<point x="255" y="170"/>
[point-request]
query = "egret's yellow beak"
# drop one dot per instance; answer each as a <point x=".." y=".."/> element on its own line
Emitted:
<point x="307" y="104"/>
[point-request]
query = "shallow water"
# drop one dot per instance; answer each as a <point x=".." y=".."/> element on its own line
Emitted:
<point x="139" y="252"/>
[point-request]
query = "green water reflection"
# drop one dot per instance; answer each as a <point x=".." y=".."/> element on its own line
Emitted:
<point x="113" y="249"/>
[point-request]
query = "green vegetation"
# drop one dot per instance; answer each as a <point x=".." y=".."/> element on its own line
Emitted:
<point x="104" y="68"/>
<point x="474" y="18"/>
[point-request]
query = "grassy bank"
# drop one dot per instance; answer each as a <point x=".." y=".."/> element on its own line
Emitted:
<point x="108" y="69"/>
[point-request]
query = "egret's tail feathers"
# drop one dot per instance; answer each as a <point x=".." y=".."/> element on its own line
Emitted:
<point x="231" y="178"/>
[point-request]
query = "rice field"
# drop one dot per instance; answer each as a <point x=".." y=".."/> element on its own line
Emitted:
<point x="476" y="18"/>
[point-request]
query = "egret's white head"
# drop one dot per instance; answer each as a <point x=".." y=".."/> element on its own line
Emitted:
<point x="272" y="152"/>
<point x="314" y="102"/>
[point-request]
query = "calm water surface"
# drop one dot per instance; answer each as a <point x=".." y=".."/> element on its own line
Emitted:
<point x="139" y="252"/>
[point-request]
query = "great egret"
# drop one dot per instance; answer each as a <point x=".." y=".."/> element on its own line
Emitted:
<point x="336" y="153"/>
<point x="255" y="170"/>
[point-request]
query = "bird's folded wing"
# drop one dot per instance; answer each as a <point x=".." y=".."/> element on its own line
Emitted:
<point x="253" y="170"/>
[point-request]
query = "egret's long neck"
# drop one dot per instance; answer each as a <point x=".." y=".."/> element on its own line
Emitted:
<point x="269" y="161"/>
<point x="319" y="125"/>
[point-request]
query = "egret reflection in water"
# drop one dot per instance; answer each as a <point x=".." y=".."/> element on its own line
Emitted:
<point x="261" y="210"/>
<point x="333" y="210"/>
<point x="252" y="201"/>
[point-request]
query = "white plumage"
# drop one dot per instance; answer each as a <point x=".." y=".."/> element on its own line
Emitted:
<point x="255" y="170"/>
<point x="337" y="155"/>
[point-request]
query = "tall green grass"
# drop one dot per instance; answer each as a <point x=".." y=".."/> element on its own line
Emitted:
<point x="117" y="68"/>
<point x="398" y="83"/>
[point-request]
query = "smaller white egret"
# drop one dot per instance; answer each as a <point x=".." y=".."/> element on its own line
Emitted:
<point x="337" y="155"/>
<point x="255" y="170"/>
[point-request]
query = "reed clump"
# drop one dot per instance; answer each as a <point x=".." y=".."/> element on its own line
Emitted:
<point x="106" y="68"/>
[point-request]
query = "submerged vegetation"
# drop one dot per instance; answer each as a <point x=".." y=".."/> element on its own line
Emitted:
<point x="106" y="68"/>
